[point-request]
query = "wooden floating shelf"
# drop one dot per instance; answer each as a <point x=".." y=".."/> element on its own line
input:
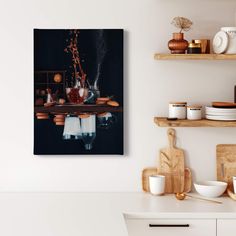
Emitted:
<point x="76" y="108"/>
<point x="163" y="122"/>
<point x="159" y="56"/>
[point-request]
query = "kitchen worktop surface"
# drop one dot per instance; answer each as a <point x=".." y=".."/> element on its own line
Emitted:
<point x="86" y="214"/>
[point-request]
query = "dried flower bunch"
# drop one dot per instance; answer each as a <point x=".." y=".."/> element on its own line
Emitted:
<point x="73" y="49"/>
<point x="182" y="23"/>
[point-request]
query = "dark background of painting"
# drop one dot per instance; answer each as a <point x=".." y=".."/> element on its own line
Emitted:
<point x="49" y="54"/>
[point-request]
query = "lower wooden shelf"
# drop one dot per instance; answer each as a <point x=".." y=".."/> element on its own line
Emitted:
<point x="163" y="122"/>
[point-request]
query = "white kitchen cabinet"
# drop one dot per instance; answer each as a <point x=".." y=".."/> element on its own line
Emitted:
<point x="171" y="227"/>
<point x="226" y="227"/>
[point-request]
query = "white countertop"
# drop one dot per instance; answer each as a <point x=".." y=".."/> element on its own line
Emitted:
<point x="101" y="214"/>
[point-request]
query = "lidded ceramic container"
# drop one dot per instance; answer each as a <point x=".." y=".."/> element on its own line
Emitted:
<point x="225" y="41"/>
<point x="231" y="32"/>
<point x="178" y="110"/>
<point x="194" y="112"/>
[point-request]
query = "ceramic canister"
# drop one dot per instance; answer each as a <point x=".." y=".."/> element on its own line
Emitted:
<point x="194" y="112"/>
<point x="231" y="32"/>
<point x="157" y="184"/>
<point x="178" y="110"/>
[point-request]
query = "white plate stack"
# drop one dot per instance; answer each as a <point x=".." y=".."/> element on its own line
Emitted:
<point x="213" y="113"/>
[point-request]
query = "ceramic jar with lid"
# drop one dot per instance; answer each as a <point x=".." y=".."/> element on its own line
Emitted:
<point x="231" y="32"/>
<point x="194" y="48"/>
<point x="225" y="41"/>
<point x="194" y="112"/>
<point x="178" y="110"/>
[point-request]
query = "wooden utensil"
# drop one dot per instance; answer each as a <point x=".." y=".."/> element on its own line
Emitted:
<point x="224" y="104"/>
<point x="154" y="171"/>
<point x="172" y="165"/>
<point x="182" y="196"/>
<point x="226" y="162"/>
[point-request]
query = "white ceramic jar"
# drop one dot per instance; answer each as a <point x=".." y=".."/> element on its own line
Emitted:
<point x="178" y="110"/>
<point x="157" y="184"/>
<point x="231" y="32"/>
<point x="194" y="112"/>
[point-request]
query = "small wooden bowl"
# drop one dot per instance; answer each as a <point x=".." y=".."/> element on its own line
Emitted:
<point x="82" y="116"/>
<point x="58" y="120"/>
<point x="41" y="114"/>
<point x="61" y="116"/>
<point x="42" y="117"/>
<point x="101" y="102"/>
<point x="113" y="103"/>
<point x="60" y="123"/>
<point x="103" y="99"/>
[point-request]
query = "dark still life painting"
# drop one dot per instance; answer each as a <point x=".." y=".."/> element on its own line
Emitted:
<point x="78" y="91"/>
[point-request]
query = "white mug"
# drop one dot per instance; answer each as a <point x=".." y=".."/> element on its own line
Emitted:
<point x="157" y="184"/>
<point x="234" y="183"/>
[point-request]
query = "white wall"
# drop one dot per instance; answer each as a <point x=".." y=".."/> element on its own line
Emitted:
<point x="149" y="86"/>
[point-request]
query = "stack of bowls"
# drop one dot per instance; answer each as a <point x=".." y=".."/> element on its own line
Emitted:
<point x="42" y="116"/>
<point x="59" y="119"/>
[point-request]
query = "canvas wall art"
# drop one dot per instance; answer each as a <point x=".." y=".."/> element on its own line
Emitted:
<point x="78" y="91"/>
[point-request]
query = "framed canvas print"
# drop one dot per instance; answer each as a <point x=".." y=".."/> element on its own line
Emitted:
<point x="78" y="91"/>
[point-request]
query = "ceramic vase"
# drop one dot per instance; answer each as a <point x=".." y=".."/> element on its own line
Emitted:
<point x="178" y="45"/>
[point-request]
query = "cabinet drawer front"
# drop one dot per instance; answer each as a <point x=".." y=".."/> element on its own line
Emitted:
<point x="171" y="227"/>
<point x="226" y="227"/>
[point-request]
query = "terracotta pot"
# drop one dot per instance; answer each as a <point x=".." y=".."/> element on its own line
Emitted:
<point x="178" y="45"/>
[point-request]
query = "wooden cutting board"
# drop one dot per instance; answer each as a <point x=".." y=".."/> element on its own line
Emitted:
<point x="226" y="162"/>
<point x="154" y="171"/>
<point x="172" y="165"/>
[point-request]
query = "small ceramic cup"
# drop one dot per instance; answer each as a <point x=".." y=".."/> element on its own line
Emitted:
<point x="157" y="184"/>
<point x="234" y="183"/>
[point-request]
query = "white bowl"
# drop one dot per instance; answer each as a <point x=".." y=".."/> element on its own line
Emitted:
<point x="210" y="188"/>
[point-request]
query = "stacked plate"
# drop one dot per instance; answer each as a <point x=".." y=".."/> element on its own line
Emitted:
<point x="213" y="113"/>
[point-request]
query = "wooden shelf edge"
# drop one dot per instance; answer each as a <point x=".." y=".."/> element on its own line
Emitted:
<point x="79" y="108"/>
<point x="163" y="122"/>
<point x="166" y="56"/>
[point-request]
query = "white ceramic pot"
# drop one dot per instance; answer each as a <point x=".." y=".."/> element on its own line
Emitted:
<point x="157" y="184"/>
<point x="178" y="110"/>
<point x="194" y="112"/>
<point x="231" y="32"/>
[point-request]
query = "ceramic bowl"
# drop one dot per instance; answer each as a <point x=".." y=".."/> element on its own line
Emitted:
<point x="210" y="188"/>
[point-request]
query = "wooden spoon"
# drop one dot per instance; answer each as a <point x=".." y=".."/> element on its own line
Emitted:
<point x="182" y="196"/>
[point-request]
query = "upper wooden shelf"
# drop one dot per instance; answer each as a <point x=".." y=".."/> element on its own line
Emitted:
<point x="159" y="56"/>
<point x="163" y="122"/>
<point x="77" y="108"/>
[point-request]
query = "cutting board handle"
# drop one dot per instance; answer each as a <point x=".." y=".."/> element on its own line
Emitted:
<point x="171" y="137"/>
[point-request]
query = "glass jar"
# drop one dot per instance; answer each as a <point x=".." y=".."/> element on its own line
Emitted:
<point x="88" y="127"/>
<point x="194" y="48"/>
